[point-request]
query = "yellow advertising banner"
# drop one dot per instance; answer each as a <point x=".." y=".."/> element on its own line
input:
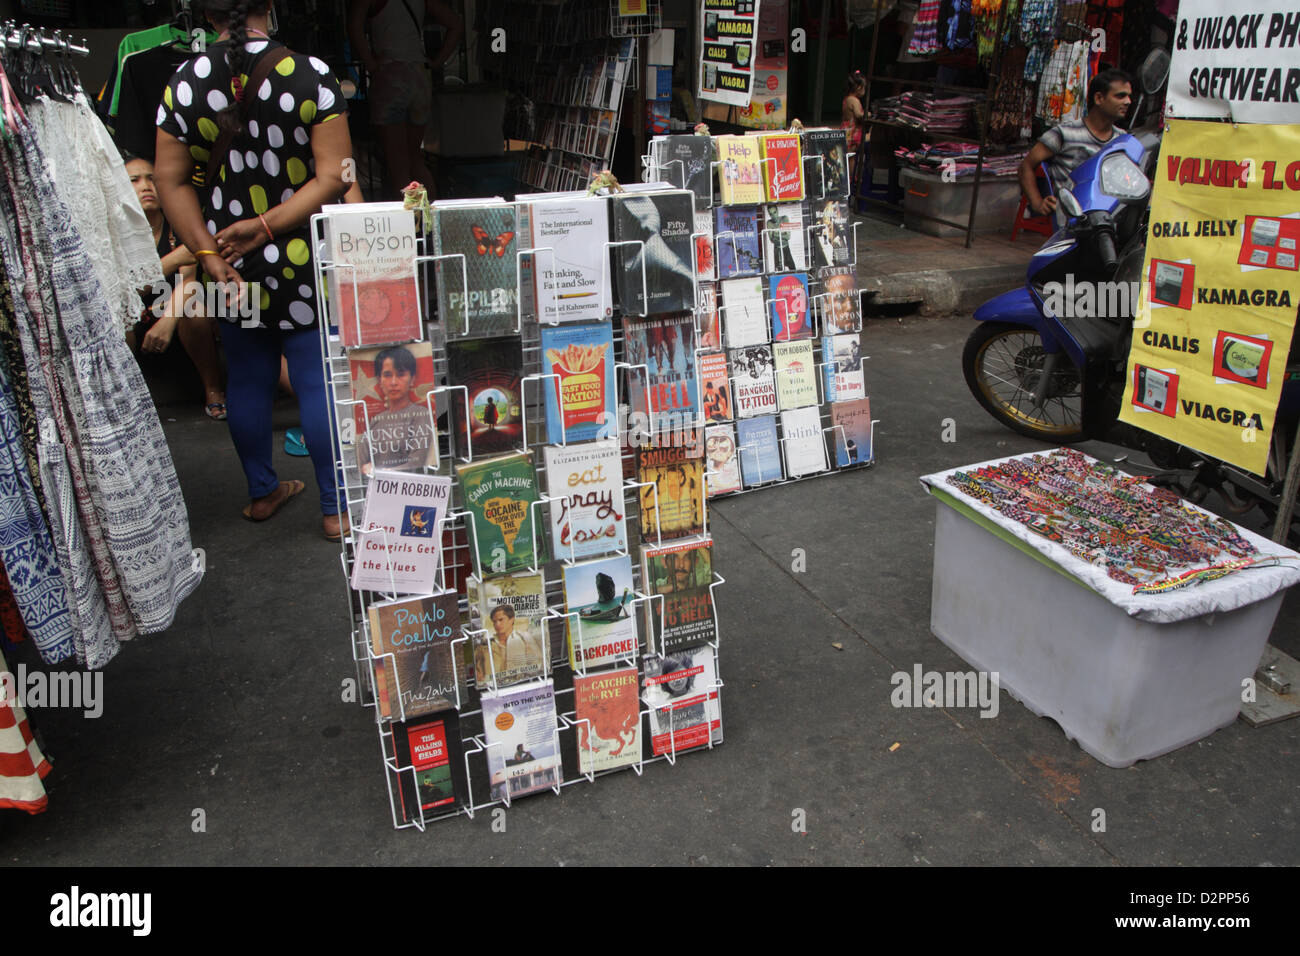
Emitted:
<point x="1220" y="287"/>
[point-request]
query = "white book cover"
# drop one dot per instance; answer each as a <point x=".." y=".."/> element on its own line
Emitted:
<point x="802" y="442"/>
<point x="722" y="463"/>
<point x="585" y="484"/>
<point x="783" y="238"/>
<point x="753" y="381"/>
<point x="744" y="312"/>
<point x="570" y="280"/>
<point x="399" y="543"/>
<point x="523" y="754"/>
<point x="372" y="248"/>
<point x="681" y="690"/>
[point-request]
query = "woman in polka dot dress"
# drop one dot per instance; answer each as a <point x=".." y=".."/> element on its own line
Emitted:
<point x="252" y="225"/>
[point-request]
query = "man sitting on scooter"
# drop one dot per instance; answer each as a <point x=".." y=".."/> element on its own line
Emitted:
<point x="1064" y="147"/>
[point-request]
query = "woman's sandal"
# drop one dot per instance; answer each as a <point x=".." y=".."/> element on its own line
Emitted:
<point x="215" y="411"/>
<point x="289" y="489"/>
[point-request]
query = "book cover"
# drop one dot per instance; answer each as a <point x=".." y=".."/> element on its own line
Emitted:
<point x="662" y="267"/>
<point x="373" y="247"/>
<point x="753" y="381"/>
<point x="523" y="754"/>
<point x="851" y="423"/>
<point x="566" y="279"/>
<point x="796" y="374"/>
<point x="682" y="572"/>
<point x="607" y="710"/>
<point x="721" y="462"/>
<point x="399" y="543"/>
<point x="805" y="446"/>
<point x="581" y="404"/>
<point x="508" y="617"/>
<point x="706" y="268"/>
<point x="715" y="386"/>
<point x="499" y="494"/>
<point x="598" y="611"/>
<point x="681" y="691"/>
<point x="789" y="307"/>
<point x="482" y="301"/>
<point x="490" y="370"/>
<point x="826" y="163"/>
<point x="783" y="237"/>
<point x="672" y="491"/>
<point x="829" y="234"/>
<point x="421" y="677"/>
<point x="760" y="451"/>
<point x="740" y="179"/>
<point x="841" y="305"/>
<point x="842" y="355"/>
<point x="435" y="782"/>
<point x="736" y="239"/>
<point x="744" y="312"/>
<point x="661" y="353"/>
<point x="782" y="167"/>
<point x="686" y="161"/>
<point x="585" y="485"/>
<point x="706" y="316"/>
<point x="393" y="427"/>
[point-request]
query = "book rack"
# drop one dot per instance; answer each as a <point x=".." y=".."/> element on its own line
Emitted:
<point x="461" y="562"/>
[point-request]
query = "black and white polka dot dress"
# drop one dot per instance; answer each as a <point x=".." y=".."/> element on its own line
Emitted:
<point x="269" y="161"/>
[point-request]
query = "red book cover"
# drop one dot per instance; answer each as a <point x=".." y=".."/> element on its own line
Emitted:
<point x="782" y="167"/>
<point x="607" y="710"/>
<point x="373" y="249"/>
<point x="394" y="417"/>
<point x="715" y="388"/>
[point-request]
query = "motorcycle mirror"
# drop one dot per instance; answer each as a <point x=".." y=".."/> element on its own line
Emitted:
<point x="1070" y="204"/>
<point x="1154" y="70"/>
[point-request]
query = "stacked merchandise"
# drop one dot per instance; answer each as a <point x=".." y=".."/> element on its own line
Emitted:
<point x="928" y="112"/>
<point x="959" y="159"/>
<point x="574" y="74"/>
<point x="781" y="385"/>
<point x="519" y="605"/>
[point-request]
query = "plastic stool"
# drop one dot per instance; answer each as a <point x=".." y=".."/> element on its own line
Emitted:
<point x="1042" y="225"/>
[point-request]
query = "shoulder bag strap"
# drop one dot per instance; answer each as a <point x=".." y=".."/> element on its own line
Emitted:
<point x="256" y="77"/>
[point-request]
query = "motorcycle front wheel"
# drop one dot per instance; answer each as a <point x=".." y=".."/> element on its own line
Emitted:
<point x="1003" y="365"/>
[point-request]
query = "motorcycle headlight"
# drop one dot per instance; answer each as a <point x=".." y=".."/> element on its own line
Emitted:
<point x="1121" y="178"/>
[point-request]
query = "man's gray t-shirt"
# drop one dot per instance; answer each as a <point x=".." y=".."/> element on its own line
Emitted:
<point x="1071" y="144"/>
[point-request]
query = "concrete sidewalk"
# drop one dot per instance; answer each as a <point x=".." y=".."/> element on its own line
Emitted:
<point x="237" y="711"/>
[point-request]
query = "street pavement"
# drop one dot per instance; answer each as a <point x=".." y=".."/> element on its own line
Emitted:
<point x="237" y="710"/>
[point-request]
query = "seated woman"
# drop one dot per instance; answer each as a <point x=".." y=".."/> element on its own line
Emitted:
<point x="165" y="311"/>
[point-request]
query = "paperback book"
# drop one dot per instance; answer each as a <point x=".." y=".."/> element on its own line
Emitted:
<point x="744" y="312"/>
<point x="706" y="316"/>
<point x="706" y="267"/>
<point x="434" y="784"/>
<point x="671" y="475"/>
<point x="789" y="307"/>
<point x="851" y="426"/>
<point x="760" y="451"/>
<point x="736" y="238"/>
<point x="394" y="418"/>
<point x="753" y="381"/>
<point x="843" y="357"/>
<point x="373" y="248"/>
<point x="826" y="163"/>
<point x="661" y="267"/>
<point x="740" y="179"/>
<point x="580" y="403"/>
<point x="585" y="485"/>
<point x="681" y="691"/>
<point x="721" y="462"/>
<point x="841" y="306"/>
<point x="499" y="494"/>
<point x="783" y="237"/>
<point x="805" y="446"/>
<point x="682" y="573"/>
<point x="598" y="611"/>
<point x="490" y="370"/>
<point x="523" y="754"/>
<point x="715" y="387"/>
<point x="686" y="161"/>
<point x="399" y="545"/>
<point x="421" y="675"/>
<point x="483" y="300"/>
<point x="661" y="356"/>
<point x="566" y="279"/>
<point x="507" y="616"/>
<point x="796" y="374"/>
<point x="782" y="167"/>
<point x="829" y="233"/>
<point x="607" y="711"/>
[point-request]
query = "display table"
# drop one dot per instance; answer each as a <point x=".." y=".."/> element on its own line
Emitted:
<point x="1128" y="676"/>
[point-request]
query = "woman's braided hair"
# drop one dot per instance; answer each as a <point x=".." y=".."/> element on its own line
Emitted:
<point x="234" y="13"/>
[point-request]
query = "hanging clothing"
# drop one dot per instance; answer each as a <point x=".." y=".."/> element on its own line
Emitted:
<point x="925" y="33"/>
<point x="144" y="77"/>
<point x="22" y="765"/>
<point x="1063" y="89"/>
